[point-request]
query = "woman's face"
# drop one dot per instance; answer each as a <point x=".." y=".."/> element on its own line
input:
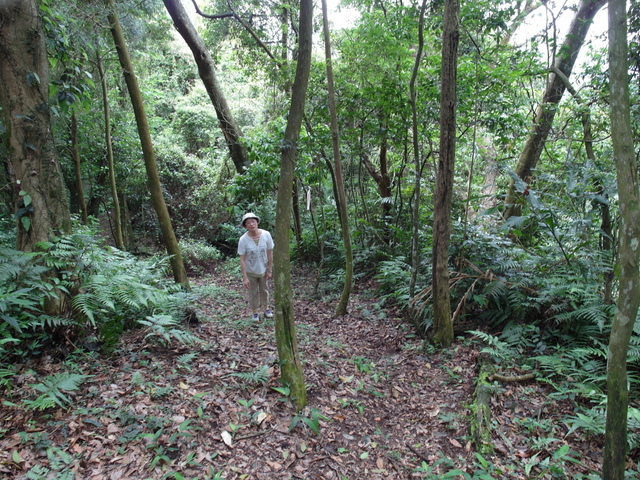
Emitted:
<point x="251" y="224"/>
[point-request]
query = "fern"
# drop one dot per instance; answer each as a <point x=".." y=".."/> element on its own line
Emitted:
<point x="53" y="390"/>
<point x="499" y="350"/>
<point x="259" y="376"/>
<point x="164" y="329"/>
<point x="186" y="359"/>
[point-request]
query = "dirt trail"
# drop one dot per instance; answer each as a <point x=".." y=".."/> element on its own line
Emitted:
<point x="379" y="403"/>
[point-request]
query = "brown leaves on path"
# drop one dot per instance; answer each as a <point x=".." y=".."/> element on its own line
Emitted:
<point x="380" y="404"/>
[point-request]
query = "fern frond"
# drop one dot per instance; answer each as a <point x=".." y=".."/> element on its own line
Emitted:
<point x="260" y="376"/>
<point x="164" y="329"/>
<point x="53" y="388"/>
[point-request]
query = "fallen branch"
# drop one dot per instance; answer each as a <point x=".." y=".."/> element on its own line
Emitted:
<point x="511" y="378"/>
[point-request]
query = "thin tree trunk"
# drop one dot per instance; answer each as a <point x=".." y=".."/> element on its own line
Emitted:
<point x="442" y="321"/>
<point x="615" y="443"/>
<point x="287" y="342"/>
<point x="341" y="308"/>
<point x="551" y="97"/>
<point x="77" y="168"/>
<point x="153" y="179"/>
<point x="230" y="129"/>
<point x="297" y="223"/>
<point x="37" y="186"/>
<point x="117" y="217"/>
<point x="415" y="213"/>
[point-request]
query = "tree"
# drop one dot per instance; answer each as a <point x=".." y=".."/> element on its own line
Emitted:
<point x="153" y="179"/>
<point x="442" y="322"/>
<point x="551" y="97"/>
<point x="290" y="364"/>
<point x="341" y="202"/>
<point x="228" y="125"/>
<point x="117" y="217"/>
<point x="615" y="446"/>
<point x="415" y="244"/>
<point x="38" y="190"/>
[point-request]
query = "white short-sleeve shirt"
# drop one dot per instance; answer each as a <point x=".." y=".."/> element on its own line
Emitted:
<point x="256" y="254"/>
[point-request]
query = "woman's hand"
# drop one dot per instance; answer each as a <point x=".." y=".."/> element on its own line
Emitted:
<point x="246" y="282"/>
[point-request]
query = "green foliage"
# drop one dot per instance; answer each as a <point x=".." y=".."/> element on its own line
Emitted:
<point x="311" y="419"/>
<point x="111" y="291"/>
<point x="257" y="377"/>
<point x="53" y="390"/>
<point x="393" y="276"/>
<point x="198" y="256"/>
<point x="163" y="329"/>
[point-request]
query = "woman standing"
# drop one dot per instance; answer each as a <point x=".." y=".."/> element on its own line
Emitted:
<point x="255" y="248"/>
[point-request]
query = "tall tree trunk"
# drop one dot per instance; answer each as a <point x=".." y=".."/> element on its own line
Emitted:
<point x="442" y="322"/>
<point x="551" y="97"/>
<point x="153" y="179"/>
<point x="615" y="443"/>
<point x="117" y="217"/>
<point x="230" y="129"/>
<point x="290" y="364"/>
<point x="38" y="190"/>
<point x="415" y="213"/>
<point x="77" y="167"/>
<point x="341" y="308"/>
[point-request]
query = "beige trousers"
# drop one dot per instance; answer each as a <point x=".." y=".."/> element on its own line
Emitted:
<point x="258" y="294"/>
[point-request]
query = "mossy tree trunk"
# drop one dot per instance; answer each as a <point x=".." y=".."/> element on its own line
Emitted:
<point x="615" y="446"/>
<point x="37" y="186"/>
<point x="153" y="178"/>
<point x="567" y="54"/>
<point x="230" y="129"/>
<point x="287" y="342"/>
<point x="117" y="217"/>
<point x="341" y="308"/>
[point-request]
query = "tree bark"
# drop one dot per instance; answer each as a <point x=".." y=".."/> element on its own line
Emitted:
<point x="615" y="444"/>
<point x="153" y="179"/>
<point x="37" y="186"/>
<point x="341" y="308"/>
<point x="290" y="364"/>
<point x="77" y="167"/>
<point x="117" y="217"/>
<point x="551" y="97"/>
<point x="442" y="322"/>
<point x="416" y="257"/>
<point x="230" y="129"/>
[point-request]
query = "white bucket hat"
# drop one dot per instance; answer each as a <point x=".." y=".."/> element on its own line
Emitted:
<point x="247" y="216"/>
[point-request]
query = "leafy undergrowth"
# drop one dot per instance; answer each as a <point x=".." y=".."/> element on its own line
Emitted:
<point x="381" y="406"/>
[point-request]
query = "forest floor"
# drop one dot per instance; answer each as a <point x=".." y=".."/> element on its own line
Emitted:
<point x="381" y="405"/>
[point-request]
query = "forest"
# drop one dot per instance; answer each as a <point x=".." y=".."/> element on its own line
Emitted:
<point x="452" y="189"/>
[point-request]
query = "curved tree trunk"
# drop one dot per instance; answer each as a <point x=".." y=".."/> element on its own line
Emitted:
<point x="341" y="308"/>
<point x="567" y="54"/>
<point x="290" y="364"/>
<point x="442" y="321"/>
<point x="230" y="129"/>
<point x="38" y="190"/>
<point x="153" y="179"/>
<point x="615" y="443"/>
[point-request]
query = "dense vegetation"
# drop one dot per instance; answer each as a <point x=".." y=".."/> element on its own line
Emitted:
<point x="536" y="292"/>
